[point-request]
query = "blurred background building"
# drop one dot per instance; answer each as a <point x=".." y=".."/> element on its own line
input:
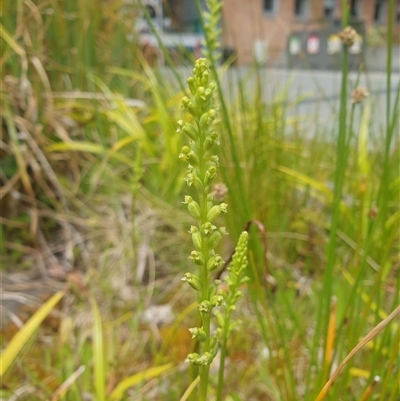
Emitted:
<point x="266" y="30"/>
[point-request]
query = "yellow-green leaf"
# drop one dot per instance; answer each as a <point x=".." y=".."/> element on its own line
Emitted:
<point x="131" y="381"/>
<point x="76" y="146"/>
<point x="10" y="353"/>
<point x="98" y="354"/>
<point x="323" y="189"/>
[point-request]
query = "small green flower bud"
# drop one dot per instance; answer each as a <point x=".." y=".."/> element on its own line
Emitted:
<point x="187" y="200"/>
<point x="184" y="155"/>
<point x="193" y="357"/>
<point x="223" y="231"/>
<point x="192" y="85"/>
<point x="180" y="124"/>
<point x="210" y="174"/>
<point x="207" y="119"/>
<point x="213" y="212"/>
<point x="204" y="359"/>
<point x="208" y="143"/>
<point x="214" y="263"/>
<point x="193" y="207"/>
<point x="214" y="160"/>
<point x="196" y="238"/>
<point x="198" y="333"/>
<point x="204" y="78"/>
<point x="208" y="93"/>
<point x="198" y="185"/>
<point x="192" y="280"/>
<point x="187" y="128"/>
<point x="216" y="210"/>
<point x="190" y="179"/>
<point x="208" y="228"/>
<point x="205" y="307"/>
<point x="201" y="92"/>
<point x="197" y="257"/>
<point x="214" y="239"/>
<point x="192" y="109"/>
<point x="185" y="102"/>
<point x="217" y="300"/>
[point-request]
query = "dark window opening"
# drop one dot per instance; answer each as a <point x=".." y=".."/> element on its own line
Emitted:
<point x="379" y="11"/>
<point x="398" y="14"/>
<point x="354" y="8"/>
<point x="329" y="8"/>
<point x="300" y="8"/>
<point x="269" y="6"/>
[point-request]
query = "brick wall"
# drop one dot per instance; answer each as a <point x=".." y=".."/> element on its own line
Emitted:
<point x="244" y="23"/>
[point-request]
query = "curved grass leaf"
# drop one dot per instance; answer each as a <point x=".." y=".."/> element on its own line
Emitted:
<point x="137" y="378"/>
<point x="12" y="350"/>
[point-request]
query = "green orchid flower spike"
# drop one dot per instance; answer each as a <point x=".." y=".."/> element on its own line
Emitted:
<point x="206" y="235"/>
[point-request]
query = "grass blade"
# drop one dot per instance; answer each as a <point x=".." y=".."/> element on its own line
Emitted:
<point x="373" y="333"/>
<point x="130" y="381"/>
<point x="9" y="355"/>
<point x="98" y="354"/>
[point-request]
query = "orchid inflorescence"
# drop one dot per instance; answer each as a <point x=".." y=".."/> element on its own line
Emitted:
<point x="206" y="235"/>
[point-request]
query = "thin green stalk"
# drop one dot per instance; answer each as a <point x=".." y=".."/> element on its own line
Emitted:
<point x="234" y="280"/>
<point x="341" y="163"/>
<point x="245" y="212"/>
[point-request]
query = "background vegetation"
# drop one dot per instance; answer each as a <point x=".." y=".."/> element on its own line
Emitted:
<point x="91" y="205"/>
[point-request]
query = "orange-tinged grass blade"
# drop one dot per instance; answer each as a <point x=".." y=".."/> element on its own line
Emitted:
<point x="137" y="378"/>
<point x="9" y="355"/>
<point x="368" y="390"/>
<point x="373" y="333"/>
<point x="329" y="339"/>
<point x="98" y="354"/>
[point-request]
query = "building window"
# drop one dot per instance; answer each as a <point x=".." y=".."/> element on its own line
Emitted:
<point x="379" y="11"/>
<point x="354" y="8"/>
<point x="329" y="8"/>
<point x="300" y="8"/>
<point x="398" y="14"/>
<point x="269" y="6"/>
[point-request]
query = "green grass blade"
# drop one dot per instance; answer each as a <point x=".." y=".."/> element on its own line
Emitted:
<point x="131" y="381"/>
<point x="98" y="354"/>
<point x="12" y="350"/>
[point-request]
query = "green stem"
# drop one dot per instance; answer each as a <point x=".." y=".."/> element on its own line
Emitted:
<point x="340" y="168"/>
<point x="223" y="352"/>
<point x="204" y="274"/>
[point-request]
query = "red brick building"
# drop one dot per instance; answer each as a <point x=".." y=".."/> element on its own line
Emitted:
<point x="263" y="26"/>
